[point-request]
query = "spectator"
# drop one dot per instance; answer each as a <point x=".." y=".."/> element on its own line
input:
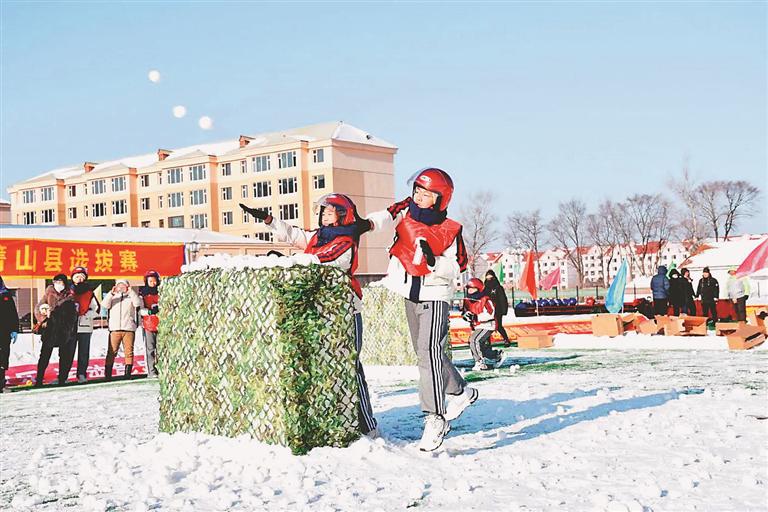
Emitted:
<point x="738" y="292"/>
<point x="56" y="314"/>
<point x="9" y="328"/>
<point x="477" y="309"/>
<point x="122" y="303"/>
<point x="689" y="303"/>
<point x="708" y="291"/>
<point x="676" y="292"/>
<point x="660" y="290"/>
<point x="149" y="319"/>
<point x="87" y="309"/>
<point x="495" y="291"/>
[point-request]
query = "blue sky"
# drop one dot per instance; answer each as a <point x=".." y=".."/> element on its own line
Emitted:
<point x="540" y="102"/>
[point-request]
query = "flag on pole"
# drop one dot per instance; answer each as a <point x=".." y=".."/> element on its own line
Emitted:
<point x="527" y="280"/>
<point x="756" y="260"/>
<point x="614" y="298"/>
<point x="500" y="271"/>
<point x="551" y="280"/>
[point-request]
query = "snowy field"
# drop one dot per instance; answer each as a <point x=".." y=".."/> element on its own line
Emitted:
<point x="614" y="430"/>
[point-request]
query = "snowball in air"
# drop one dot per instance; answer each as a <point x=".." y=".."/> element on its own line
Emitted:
<point x="154" y="76"/>
<point x="205" y="122"/>
<point x="179" y="111"/>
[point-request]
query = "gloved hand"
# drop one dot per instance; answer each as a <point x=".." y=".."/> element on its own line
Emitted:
<point x="468" y="316"/>
<point x="14" y="335"/>
<point x="257" y="213"/>
<point x="399" y="206"/>
<point x="429" y="256"/>
<point x="154" y="309"/>
<point x="362" y="225"/>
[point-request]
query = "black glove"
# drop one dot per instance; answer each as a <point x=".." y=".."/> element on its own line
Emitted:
<point x="256" y="212"/>
<point x="468" y="316"/>
<point x="154" y="309"/>
<point x="428" y="254"/>
<point x="362" y="225"/>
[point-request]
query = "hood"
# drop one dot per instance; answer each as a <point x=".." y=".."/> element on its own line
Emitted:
<point x="662" y="270"/>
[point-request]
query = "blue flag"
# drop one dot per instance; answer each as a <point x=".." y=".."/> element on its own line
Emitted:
<point x="614" y="299"/>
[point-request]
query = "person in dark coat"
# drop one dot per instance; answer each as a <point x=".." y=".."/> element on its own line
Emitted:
<point x="660" y="290"/>
<point x="676" y="292"/>
<point x="9" y="328"/>
<point x="56" y="314"/>
<point x="495" y="291"/>
<point x="708" y="291"/>
<point x="689" y="306"/>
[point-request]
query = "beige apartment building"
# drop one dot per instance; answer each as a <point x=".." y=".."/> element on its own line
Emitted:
<point x="200" y="186"/>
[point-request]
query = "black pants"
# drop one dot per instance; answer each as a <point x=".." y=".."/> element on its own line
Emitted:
<point x="66" y="357"/>
<point x="677" y="309"/>
<point x="500" y="327"/>
<point x="709" y="309"/>
<point x="5" y="352"/>
<point x="741" y="308"/>
<point x="660" y="306"/>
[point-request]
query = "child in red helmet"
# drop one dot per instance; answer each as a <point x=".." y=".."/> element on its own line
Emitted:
<point x="478" y="310"/>
<point x="87" y="310"/>
<point x="149" y="320"/>
<point x="335" y="242"/>
<point x="427" y="256"/>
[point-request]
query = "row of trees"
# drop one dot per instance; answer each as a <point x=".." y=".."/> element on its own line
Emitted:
<point x="646" y="221"/>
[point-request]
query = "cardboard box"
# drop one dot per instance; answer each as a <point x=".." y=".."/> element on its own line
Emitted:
<point x="695" y="325"/>
<point x="726" y="328"/>
<point x="630" y="321"/>
<point x="535" y="340"/>
<point x="607" y="324"/>
<point x="757" y="318"/>
<point x="648" y="327"/>
<point x="674" y="326"/>
<point x="746" y="337"/>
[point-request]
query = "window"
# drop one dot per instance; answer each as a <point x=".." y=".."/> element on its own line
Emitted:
<point x="243" y="167"/>
<point x="161" y="223"/>
<point x="246" y="217"/>
<point x="262" y="189"/>
<point x="175" y="222"/>
<point x="226" y="193"/>
<point x="145" y="203"/>
<point x="98" y="187"/>
<point x="72" y="213"/>
<point x="287" y="185"/>
<point x="118" y="184"/>
<point x="198" y="197"/>
<point x="226" y="218"/>
<point x="99" y="209"/>
<point x="85" y="189"/>
<point x="28" y="197"/>
<point x="119" y="207"/>
<point x="244" y="191"/>
<point x="197" y="172"/>
<point x="318" y="156"/>
<point x="46" y="194"/>
<point x="160" y="178"/>
<point x="85" y="211"/>
<point x="175" y="200"/>
<point x="119" y="224"/>
<point x="261" y="163"/>
<point x="319" y="181"/>
<point x="144" y="180"/>
<point x="286" y="159"/>
<point x="226" y="169"/>
<point x="266" y="237"/>
<point x="175" y="176"/>
<point x="71" y="191"/>
<point x="48" y="215"/>
<point x="289" y="211"/>
<point x="145" y="223"/>
<point x="30" y="217"/>
<point x="199" y="220"/>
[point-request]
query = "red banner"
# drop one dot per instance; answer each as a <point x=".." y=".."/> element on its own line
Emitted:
<point x="25" y="259"/>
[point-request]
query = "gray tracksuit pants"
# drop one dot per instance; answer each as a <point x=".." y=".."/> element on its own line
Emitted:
<point x="150" y="354"/>
<point x="365" y="411"/>
<point x="480" y="346"/>
<point x="428" y="323"/>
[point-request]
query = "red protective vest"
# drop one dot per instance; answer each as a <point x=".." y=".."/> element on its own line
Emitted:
<point x="439" y="237"/>
<point x="484" y="304"/>
<point x="83" y="302"/>
<point x="313" y="248"/>
<point x="150" y="322"/>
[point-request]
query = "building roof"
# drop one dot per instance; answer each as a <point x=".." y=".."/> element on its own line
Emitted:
<point x="323" y="131"/>
<point x="722" y="255"/>
<point x="120" y="234"/>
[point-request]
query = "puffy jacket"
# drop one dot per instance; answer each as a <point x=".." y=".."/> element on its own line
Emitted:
<point x="495" y="291"/>
<point x="677" y="290"/>
<point x="122" y="309"/>
<point x="708" y="289"/>
<point x="660" y="284"/>
<point x="483" y="310"/>
<point x="737" y="287"/>
<point x="9" y="316"/>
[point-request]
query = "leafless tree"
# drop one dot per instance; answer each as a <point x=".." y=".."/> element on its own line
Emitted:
<point x="526" y="229"/>
<point x="568" y="230"/>
<point x="602" y="232"/>
<point x="740" y="198"/>
<point x="690" y="225"/>
<point x="479" y="221"/>
<point x="645" y="229"/>
<point x="709" y="198"/>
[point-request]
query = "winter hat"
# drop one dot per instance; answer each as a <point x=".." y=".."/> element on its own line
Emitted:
<point x="61" y="277"/>
<point x="732" y="270"/>
<point x="706" y="269"/>
<point x="123" y="281"/>
<point x="80" y="270"/>
<point x="674" y="273"/>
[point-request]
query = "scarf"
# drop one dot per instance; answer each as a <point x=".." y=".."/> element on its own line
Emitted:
<point x="81" y="288"/>
<point x="148" y="290"/>
<point x="475" y="296"/>
<point x="428" y="216"/>
<point x="327" y="234"/>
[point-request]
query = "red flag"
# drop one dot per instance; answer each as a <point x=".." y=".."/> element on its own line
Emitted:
<point x="757" y="260"/>
<point x="527" y="280"/>
<point x="551" y="280"/>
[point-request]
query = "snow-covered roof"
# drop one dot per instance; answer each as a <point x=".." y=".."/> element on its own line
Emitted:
<point x="120" y="234"/>
<point x="724" y="254"/>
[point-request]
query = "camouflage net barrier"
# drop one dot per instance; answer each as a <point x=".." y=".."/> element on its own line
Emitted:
<point x="386" y="338"/>
<point x="266" y="352"/>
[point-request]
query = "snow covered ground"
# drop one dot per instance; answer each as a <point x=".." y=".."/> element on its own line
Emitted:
<point x="615" y="430"/>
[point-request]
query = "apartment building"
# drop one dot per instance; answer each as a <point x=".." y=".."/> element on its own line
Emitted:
<point x="200" y="186"/>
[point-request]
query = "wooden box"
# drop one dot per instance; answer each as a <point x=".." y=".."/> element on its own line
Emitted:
<point x="648" y="327"/>
<point x="607" y="324"/>
<point x="695" y="325"/>
<point x="726" y="328"/>
<point x="746" y="337"/>
<point x="535" y="340"/>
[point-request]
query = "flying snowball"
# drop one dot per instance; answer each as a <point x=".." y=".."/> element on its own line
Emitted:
<point x="179" y="111"/>
<point x="154" y="76"/>
<point x="205" y="122"/>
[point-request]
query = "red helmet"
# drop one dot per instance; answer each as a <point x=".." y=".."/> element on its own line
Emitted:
<point x="79" y="270"/>
<point x="151" y="273"/>
<point x="343" y="205"/>
<point x="475" y="283"/>
<point x="437" y="181"/>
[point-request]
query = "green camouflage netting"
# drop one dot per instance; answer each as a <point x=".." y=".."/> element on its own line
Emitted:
<point x="386" y="338"/>
<point x="267" y="352"/>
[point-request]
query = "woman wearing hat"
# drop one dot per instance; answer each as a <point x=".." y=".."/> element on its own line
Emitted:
<point x="87" y="309"/>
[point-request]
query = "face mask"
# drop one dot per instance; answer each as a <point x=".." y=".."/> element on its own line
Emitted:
<point x="58" y="287"/>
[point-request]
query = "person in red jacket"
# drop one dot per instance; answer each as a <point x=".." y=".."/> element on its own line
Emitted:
<point x="87" y="309"/>
<point x="335" y="243"/>
<point x="149" y="320"/>
<point x="479" y="311"/>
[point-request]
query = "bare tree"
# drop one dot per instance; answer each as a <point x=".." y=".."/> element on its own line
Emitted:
<point x="526" y="229"/>
<point x="479" y="223"/>
<point x="740" y="197"/>
<point x="602" y="232"/>
<point x="646" y="228"/>
<point x="709" y="199"/>
<point x="690" y="225"/>
<point x="568" y="230"/>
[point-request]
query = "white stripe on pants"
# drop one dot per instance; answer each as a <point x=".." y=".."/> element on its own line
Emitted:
<point x="428" y="323"/>
<point x="365" y="411"/>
